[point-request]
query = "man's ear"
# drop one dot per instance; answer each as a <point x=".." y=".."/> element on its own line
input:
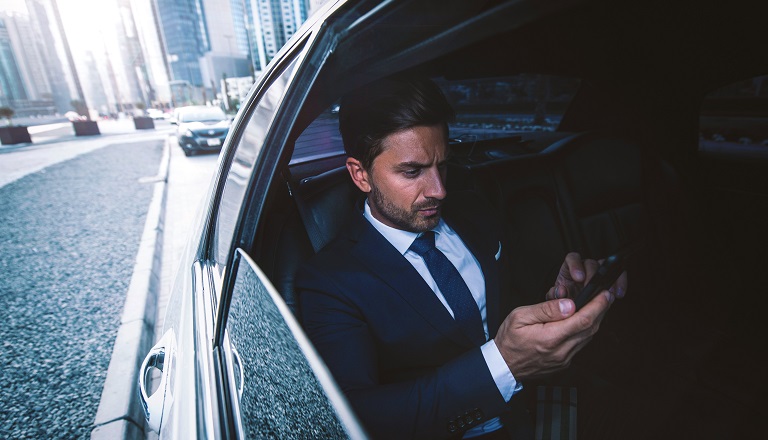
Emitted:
<point x="359" y="175"/>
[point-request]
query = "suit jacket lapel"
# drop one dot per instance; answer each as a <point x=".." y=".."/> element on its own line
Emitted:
<point x="392" y="268"/>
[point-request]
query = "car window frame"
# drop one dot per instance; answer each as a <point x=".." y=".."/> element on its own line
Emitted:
<point x="261" y="175"/>
<point x="205" y="251"/>
<point x="318" y="43"/>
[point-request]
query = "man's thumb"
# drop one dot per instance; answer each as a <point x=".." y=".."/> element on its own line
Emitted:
<point x="554" y="310"/>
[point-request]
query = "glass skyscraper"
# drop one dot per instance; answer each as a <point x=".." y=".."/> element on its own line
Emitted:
<point x="274" y="23"/>
<point x="184" y="37"/>
<point x="11" y="85"/>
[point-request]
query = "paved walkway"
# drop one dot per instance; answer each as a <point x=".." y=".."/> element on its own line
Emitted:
<point x="56" y="143"/>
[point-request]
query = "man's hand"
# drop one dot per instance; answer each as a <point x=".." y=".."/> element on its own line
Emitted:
<point x="575" y="273"/>
<point x="543" y="338"/>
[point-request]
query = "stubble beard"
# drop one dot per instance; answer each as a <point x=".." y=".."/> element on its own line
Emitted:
<point x="407" y="220"/>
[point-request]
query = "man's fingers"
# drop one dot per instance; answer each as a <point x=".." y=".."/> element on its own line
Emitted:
<point x="541" y="313"/>
<point x="575" y="266"/>
<point x="595" y="309"/>
<point x="619" y="288"/>
<point x="591" y="267"/>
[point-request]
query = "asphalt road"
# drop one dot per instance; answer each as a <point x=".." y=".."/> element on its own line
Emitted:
<point x="69" y="235"/>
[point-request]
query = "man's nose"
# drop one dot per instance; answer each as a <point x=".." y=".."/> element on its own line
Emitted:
<point x="435" y="186"/>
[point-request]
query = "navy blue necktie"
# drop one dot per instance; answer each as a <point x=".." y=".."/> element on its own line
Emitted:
<point x="452" y="286"/>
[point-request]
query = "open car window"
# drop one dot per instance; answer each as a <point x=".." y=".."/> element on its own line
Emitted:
<point x="249" y="147"/>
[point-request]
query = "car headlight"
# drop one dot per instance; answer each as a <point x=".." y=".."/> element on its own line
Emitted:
<point x="188" y="133"/>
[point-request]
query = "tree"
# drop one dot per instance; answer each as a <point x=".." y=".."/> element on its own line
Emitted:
<point x="7" y="113"/>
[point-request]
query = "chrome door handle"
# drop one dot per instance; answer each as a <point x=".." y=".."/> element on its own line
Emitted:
<point x="157" y="405"/>
<point x="237" y="360"/>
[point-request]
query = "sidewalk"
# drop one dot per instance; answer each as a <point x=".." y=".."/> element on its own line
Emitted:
<point x="181" y="187"/>
<point x="46" y="150"/>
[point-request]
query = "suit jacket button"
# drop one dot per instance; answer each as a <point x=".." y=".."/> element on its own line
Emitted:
<point x="469" y="420"/>
<point x="452" y="427"/>
<point x="478" y="415"/>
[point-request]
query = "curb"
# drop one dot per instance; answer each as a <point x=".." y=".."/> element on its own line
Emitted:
<point x="120" y="415"/>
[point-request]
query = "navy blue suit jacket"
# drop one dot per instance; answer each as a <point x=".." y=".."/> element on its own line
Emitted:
<point x="404" y="364"/>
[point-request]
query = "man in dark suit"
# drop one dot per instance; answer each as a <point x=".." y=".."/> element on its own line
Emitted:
<point x="405" y="306"/>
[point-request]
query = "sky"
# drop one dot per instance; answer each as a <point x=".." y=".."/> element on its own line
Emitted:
<point x="84" y="21"/>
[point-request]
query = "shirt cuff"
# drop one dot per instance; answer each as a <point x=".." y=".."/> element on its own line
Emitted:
<point x="505" y="380"/>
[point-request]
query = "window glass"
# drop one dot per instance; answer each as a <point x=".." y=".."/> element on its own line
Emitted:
<point x="238" y="177"/>
<point x="281" y="388"/>
<point x="321" y="138"/>
<point x="488" y="108"/>
<point x="734" y="118"/>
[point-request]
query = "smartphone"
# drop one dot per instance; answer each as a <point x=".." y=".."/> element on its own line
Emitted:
<point x="606" y="275"/>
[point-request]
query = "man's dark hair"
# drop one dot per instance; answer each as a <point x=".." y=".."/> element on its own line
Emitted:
<point x="369" y="114"/>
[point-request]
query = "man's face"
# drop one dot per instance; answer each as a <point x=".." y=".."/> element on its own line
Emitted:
<point x="405" y="184"/>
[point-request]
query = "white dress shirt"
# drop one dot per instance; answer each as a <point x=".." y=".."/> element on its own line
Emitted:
<point x="450" y="244"/>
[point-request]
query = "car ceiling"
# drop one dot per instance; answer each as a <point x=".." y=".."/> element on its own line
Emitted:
<point x="637" y="57"/>
<point x="692" y="43"/>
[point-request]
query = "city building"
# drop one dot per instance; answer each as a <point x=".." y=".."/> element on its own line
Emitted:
<point x="49" y="47"/>
<point x="159" y="53"/>
<point x="273" y="23"/>
<point x="184" y="38"/>
<point x="11" y="85"/>
<point x="155" y="66"/>
<point x="33" y="82"/>
<point x="205" y="41"/>
<point x="227" y="55"/>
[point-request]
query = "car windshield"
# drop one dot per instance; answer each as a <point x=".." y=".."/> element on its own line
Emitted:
<point x="203" y="115"/>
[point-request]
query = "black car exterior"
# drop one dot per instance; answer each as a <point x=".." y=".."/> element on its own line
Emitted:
<point x="201" y="129"/>
<point x="623" y="158"/>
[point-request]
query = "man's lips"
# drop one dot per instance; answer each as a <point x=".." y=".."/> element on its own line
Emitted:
<point x="429" y="211"/>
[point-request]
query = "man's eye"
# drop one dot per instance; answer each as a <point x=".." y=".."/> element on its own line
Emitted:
<point x="412" y="173"/>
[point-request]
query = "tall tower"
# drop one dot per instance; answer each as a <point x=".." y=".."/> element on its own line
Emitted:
<point x="227" y="55"/>
<point x="274" y="23"/>
<point x="46" y="44"/>
<point x="184" y="37"/>
<point x="11" y="85"/>
<point x="155" y="66"/>
<point x="132" y="56"/>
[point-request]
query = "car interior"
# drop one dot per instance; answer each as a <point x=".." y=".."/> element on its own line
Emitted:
<point x="626" y="163"/>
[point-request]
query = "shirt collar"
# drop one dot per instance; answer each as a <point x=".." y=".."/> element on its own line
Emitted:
<point x="399" y="238"/>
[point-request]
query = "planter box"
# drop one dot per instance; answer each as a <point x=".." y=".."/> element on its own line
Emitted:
<point x="86" y="128"/>
<point x="14" y="135"/>
<point x="144" y="123"/>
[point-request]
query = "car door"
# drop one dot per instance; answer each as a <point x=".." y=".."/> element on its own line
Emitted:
<point x="269" y="380"/>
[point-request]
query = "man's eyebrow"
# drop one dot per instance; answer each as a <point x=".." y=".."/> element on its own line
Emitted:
<point x="415" y="164"/>
<point x="412" y="164"/>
